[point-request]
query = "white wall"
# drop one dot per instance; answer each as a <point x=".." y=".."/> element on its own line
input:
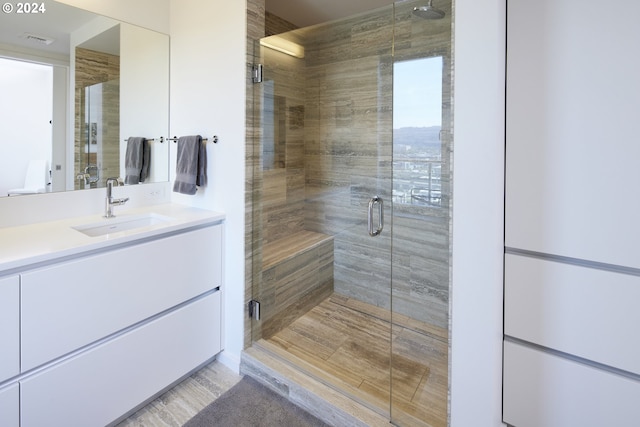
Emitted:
<point x="478" y="213"/>
<point x="31" y="209"/>
<point x="61" y="133"/>
<point x="26" y="107"/>
<point x="208" y="98"/>
<point x="60" y="64"/>
<point x="152" y="14"/>
<point x="573" y="131"/>
<point x="144" y="95"/>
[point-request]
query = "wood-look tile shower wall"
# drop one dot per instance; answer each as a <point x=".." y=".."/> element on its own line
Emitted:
<point x="339" y="114"/>
<point x="421" y="235"/>
<point x="348" y="148"/>
<point x="91" y="68"/>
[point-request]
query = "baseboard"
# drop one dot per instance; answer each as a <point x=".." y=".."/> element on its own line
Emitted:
<point x="230" y="360"/>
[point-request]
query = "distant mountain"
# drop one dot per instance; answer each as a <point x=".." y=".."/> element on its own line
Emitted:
<point x="416" y="139"/>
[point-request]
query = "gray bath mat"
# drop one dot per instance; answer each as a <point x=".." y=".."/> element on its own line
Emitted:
<point x="249" y="403"/>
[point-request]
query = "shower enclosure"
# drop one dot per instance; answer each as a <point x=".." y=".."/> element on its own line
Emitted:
<point x="351" y="247"/>
<point x="96" y="154"/>
<point x="97" y="145"/>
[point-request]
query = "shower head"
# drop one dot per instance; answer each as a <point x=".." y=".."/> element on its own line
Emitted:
<point x="428" y="12"/>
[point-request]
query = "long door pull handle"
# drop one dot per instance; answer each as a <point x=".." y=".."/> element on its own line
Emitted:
<point x="376" y="200"/>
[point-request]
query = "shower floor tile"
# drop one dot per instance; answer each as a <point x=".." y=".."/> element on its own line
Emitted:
<point x="345" y="343"/>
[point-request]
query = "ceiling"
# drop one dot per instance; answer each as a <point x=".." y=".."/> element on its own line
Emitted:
<point x="60" y="19"/>
<point x="310" y="12"/>
<point x="56" y="22"/>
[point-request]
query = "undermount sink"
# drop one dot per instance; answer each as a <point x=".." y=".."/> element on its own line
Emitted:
<point x="117" y="224"/>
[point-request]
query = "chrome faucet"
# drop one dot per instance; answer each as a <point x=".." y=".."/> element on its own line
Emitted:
<point x="110" y="202"/>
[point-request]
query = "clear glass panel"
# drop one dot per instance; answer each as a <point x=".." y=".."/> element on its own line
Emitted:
<point x="344" y="116"/>
<point x="421" y="215"/>
<point x="97" y="154"/>
<point x="417" y="125"/>
<point x="326" y="141"/>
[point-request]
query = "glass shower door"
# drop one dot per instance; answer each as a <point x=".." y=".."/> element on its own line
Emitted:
<point x="351" y="207"/>
<point x="322" y="236"/>
<point x="97" y="148"/>
<point x="422" y="152"/>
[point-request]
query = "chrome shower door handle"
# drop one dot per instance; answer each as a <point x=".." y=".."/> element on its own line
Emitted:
<point x="376" y="201"/>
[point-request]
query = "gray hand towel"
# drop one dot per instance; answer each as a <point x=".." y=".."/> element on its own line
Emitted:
<point x="146" y="161"/>
<point x="137" y="160"/>
<point x="191" y="165"/>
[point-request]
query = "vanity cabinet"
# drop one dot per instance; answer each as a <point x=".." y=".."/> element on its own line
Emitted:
<point x="96" y="387"/>
<point x="70" y="305"/>
<point x="93" y="336"/>
<point x="9" y="350"/>
<point x="10" y="406"/>
<point x="9" y="327"/>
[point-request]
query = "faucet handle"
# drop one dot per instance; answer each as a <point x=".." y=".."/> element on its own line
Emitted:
<point x="115" y="181"/>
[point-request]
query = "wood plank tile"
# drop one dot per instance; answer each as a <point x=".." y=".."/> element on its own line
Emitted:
<point x="346" y="343"/>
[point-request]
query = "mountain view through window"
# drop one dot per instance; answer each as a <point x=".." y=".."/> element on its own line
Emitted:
<point x="417" y="123"/>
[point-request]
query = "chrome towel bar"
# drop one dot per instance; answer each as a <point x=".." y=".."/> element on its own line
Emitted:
<point x="214" y="139"/>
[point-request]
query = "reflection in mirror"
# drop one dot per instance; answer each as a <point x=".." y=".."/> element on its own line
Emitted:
<point x="75" y="87"/>
<point x="97" y="143"/>
<point x="25" y="87"/>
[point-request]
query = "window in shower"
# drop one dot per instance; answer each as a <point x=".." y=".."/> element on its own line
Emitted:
<point x="417" y="125"/>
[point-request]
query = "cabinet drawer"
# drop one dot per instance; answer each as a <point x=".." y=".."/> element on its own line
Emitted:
<point x="102" y="384"/>
<point x="9" y="327"/>
<point x="578" y="310"/>
<point x="10" y="406"/>
<point x="72" y="304"/>
<point x="542" y="389"/>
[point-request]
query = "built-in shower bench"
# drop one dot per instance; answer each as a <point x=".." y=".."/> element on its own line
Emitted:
<point x="297" y="273"/>
<point x="285" y="248"/>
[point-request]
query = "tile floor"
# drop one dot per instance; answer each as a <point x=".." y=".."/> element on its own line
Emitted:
<point x="346" y="343"/>
<point x="179" y="404"/>
<point x="343" y="343"/>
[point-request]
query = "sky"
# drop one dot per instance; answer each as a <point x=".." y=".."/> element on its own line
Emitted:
<point x="417" y="93"/>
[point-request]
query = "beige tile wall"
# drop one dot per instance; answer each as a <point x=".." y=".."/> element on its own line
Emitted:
<point x="91" y="68"/>
<point x="339" y="104"/>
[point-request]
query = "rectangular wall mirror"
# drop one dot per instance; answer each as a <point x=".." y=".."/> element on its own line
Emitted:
<point x="76" y="86"/>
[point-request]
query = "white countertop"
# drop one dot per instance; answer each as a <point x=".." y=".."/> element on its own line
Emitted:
<point x="46" y="241"/>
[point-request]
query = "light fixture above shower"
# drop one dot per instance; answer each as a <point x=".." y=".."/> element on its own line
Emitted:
<point x="428" y="11"/>
<point x="283" y="45"/>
